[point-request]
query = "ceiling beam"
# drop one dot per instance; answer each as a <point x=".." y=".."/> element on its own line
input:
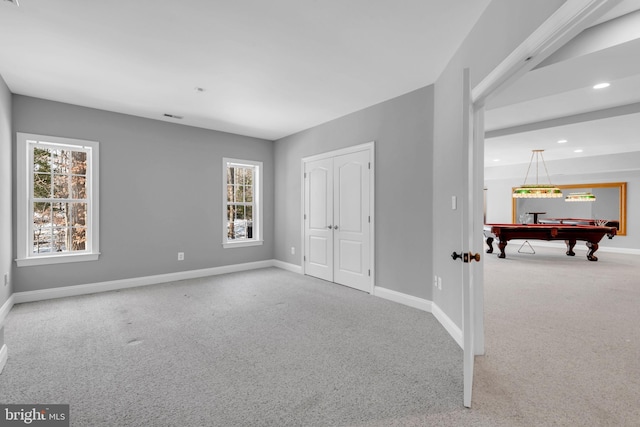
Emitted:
<point x="567" y="22"/>
<point x="567" y="120"/>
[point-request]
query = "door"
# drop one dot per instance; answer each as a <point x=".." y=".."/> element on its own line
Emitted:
<point x="472" y="224"/>
<point x="337" y="219"/>
<point x="351" y="220"/>
<point x="318" y="219"/>
<point x="571" y="18"/>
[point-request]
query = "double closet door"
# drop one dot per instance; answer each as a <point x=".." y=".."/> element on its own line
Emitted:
<point x="337" y="219"/>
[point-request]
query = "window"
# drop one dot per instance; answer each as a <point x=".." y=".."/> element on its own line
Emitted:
<point x="57" y="200"/>
<point x="242" y="224"/>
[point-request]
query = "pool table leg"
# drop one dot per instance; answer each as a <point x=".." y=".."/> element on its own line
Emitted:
<point x="490" y="244"/>
<point x="570" y="245"/>
<point x="502" y="245"/>
<point x="592" y="248"/>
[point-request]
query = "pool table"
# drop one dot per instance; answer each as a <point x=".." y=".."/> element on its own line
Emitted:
<point x="578" y="221"/>
<point x="591" y="234"/>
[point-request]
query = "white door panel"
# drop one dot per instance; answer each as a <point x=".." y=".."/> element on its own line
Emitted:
<point x="349" y="188"/>
<point x="319" y="219"/>
<point x="318" y="213"/>
<point x="351" y="238"/>
<point x="350" y="259"/>
<point x="318" y="250"/>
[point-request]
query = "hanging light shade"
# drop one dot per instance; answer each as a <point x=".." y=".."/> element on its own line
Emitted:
<point x="537" y="190"/>
<point x="580" y="197"/>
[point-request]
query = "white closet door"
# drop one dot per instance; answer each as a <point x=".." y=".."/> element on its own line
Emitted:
<point x="351" y="233"/>
<point x="319" y="219"/>
<point x="337" y="223"/>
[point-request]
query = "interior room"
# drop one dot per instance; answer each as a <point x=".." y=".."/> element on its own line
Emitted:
<point x="244" y="213"/>
<point x="588" y="133"/>
<point x="590" y="145"/>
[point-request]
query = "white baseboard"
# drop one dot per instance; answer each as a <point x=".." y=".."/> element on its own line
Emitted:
<point x="287" y="266"/>
<point x="627" y="251"/>
<point x="449" y="325"/>
<point x="425" y="305"/>
<point x="4" y="355"/>
<point x="5" y="309"/>
<point x="399" y="297"/>
<point x="68" y="291"/>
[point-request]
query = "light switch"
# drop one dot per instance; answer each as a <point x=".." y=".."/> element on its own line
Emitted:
<point x="454" y="202"/>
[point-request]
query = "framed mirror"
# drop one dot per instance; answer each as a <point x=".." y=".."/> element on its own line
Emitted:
<point x="610" y="204"/>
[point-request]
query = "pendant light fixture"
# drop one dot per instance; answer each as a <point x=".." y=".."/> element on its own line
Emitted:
<point x="537" y="190"/>
<point x="580" y="197"/>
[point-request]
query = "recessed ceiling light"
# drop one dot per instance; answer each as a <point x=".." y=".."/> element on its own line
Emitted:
<point x="199" y="89"/>
<point x="562" y="141"/>
<point x="579" y="150"/>
<point x="601" y="85"/>
<point x="496" y="160"/>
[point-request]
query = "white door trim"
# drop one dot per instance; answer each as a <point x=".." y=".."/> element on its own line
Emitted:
<point x="340" y="152"/>
<point x="368" y="146"/>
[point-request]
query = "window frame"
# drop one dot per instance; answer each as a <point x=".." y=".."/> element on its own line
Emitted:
<point x="256" y="240"/>
<point x="26" y="142"/>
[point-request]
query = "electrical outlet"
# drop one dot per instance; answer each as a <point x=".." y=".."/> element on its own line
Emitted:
<point x="293" y="250"/>
<point x="180" y="256"/>
<point x="439" y="283"/>
<point x="6" y="279"/>
<point x="435" y="282"/>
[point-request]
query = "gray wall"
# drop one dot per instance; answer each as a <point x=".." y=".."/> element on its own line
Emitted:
<point x="402" y="129"/>
<point x="610" y="168"/>
<point x="502" y="27"/>
<point x="6" y="248"/>
<point x="160" y="193"/>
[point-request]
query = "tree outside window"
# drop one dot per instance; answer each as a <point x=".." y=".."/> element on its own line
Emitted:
<point x="57" y="199"/>
<point x="242" y="202"/>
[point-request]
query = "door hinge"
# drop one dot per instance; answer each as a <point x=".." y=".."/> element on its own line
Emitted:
<point x="304" y="258"/>
<point x="369" y="273"/>
<point x="369" y="165"/>
<point x="305" y="175"/>
<point x="369" y="219"/>
<point x="305" y="216"/>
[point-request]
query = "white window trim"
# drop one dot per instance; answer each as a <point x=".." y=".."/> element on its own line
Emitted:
<point x="258" y="211"/>
<point x="24" y="220"/>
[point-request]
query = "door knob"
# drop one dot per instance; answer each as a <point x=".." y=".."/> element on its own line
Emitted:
<point x="466" y="257"/>
<point x="335" y="227"/>
<point x="329" y="227"/>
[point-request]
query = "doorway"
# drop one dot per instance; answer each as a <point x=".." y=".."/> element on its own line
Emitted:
<point x="338" y="216"/>
<point x="572" y="18"/>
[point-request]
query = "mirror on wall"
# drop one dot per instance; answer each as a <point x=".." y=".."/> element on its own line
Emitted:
<point x="610" y="204"/>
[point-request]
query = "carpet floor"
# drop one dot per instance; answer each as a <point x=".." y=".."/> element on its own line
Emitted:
<point x="274" y="348"/>
<point x="259" y="348"/>
<point x="562" y="339"/>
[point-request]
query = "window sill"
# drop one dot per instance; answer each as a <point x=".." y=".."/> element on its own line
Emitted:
<point x="229" y="245"/>
<point x="56" y="259"/>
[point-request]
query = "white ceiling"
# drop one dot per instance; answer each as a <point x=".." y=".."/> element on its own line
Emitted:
<point x="556" y="101"/>
<point x="268" y="68"/>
